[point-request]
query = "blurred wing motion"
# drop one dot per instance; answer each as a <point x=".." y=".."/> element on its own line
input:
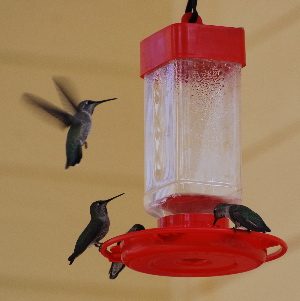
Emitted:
<point x="64" y="119"/>
<point x="64" y="91"/>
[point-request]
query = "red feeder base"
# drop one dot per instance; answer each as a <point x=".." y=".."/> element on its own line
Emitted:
<point x="187" y="245"/>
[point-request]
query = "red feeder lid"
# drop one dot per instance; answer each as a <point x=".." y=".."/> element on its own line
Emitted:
<point x="189" y="246"/>
<point x="192" y="40"/>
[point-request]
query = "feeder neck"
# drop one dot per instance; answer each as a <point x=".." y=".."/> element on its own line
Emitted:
<point x="186" y="220"/>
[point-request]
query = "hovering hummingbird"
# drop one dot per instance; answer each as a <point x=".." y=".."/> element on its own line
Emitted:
<point x="117" y="267"/>
<point x="79" y="119"/>
<point x="241" y="216"/>
<point x="95" y="230"/>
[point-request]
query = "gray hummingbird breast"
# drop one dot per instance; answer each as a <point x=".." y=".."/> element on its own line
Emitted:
<point x="104" y="230"/>
<point x="86" y="126"/>
<point x="85" y="130"/>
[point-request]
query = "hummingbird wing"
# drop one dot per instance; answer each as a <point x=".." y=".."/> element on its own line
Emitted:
<point x="65" y="96"/>
<point x="65" y="119"/>
<point x="117" y="267"/>
<point x="248" y="218"/>
<point x="136" y="227"/>
<point x="86" y="239"/>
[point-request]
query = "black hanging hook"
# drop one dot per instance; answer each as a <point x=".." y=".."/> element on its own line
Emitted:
<point x="191" y="8"/>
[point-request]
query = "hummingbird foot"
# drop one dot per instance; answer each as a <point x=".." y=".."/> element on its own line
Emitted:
<point x="85" y="145"/>
<point x="98" y="244"/>
<point x="234" y="229"/>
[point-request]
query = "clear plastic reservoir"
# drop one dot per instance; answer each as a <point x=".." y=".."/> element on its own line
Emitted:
<point x="192" y="136"/>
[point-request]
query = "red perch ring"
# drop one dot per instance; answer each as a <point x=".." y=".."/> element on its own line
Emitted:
<point x="187" y="245"/>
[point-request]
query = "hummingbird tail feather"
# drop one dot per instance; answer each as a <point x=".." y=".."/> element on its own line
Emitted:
<point x="71" y="259"/>
<point x="75" y="157"/>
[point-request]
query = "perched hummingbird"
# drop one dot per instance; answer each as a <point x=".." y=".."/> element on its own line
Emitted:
<point x="117" y="267"/>
<point x="241" y="216"/>
<point x="95" y="230"/>
<point x="79" y="119"/>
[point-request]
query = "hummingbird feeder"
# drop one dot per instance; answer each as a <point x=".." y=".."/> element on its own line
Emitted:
<point x="192" y="75"/>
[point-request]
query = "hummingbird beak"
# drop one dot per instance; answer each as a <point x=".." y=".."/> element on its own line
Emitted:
<point x="216" y="219"/>
<point x="101" y="101"/>
<point x="114" y="197"/>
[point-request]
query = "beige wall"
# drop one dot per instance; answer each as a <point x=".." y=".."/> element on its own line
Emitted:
<point x="96" y="44"/>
